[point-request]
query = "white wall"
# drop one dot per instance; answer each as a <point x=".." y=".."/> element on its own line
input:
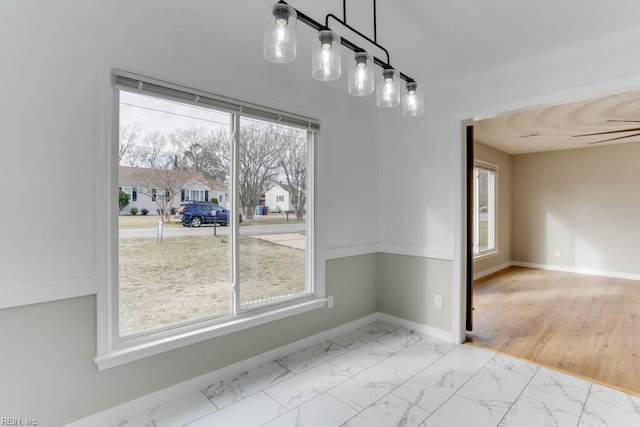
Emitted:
<point x="583" y="203"/>
<point x="421" y="160"/>
<point x="55" y="123"/>
<point x="56" y="119"/>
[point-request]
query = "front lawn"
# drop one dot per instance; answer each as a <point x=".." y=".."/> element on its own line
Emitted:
<point x="187" y="278"/>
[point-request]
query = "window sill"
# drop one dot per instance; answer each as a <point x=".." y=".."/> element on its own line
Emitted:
<point x="130" y="353"/>
<point x="486" y="255"/>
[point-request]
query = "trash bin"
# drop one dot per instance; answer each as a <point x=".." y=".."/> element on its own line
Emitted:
<point x="259" y="210"/>
<point x="265" y="210"/>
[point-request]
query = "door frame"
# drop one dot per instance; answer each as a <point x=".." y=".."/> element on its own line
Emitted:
<point x="460" y="273"/>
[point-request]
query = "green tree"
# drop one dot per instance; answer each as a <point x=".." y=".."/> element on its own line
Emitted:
<point x="123" y="199"/>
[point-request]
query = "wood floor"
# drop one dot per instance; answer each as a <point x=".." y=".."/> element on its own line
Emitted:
<point x="586" y="325"/>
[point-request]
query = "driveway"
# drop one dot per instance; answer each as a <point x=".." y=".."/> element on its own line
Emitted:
<point x="292" y="240"/>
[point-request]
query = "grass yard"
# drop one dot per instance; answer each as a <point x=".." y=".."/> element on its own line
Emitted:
<point x="143" y="221"/>
<point x="273" y="218"/>
<point x="187" y="278"/>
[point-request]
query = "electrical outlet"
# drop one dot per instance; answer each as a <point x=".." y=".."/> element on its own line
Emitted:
<point x="330" y="301"/>
<point x="556" y="253"/>
<point x="437" y="301"/>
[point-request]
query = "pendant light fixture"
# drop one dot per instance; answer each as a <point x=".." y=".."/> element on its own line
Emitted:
<point x="361" y="82"/>
<point x="326" y="58"/>
<point x="412" y="100"/>
<point x="279" y="42"/>
<point x="388" y="88"/>
<point x="280" y="47"/>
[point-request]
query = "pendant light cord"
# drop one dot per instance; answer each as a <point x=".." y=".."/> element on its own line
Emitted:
<point x="347" y="43"/>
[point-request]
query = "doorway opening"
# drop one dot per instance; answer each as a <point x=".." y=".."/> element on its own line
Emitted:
<point x="561" y="287"/>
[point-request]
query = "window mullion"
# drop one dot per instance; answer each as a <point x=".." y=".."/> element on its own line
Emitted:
<point x="235" y="209"/>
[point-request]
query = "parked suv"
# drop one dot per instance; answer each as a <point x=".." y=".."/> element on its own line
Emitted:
<point x="197" y="213"/>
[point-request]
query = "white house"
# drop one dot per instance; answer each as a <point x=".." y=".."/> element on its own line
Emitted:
<point x="401" y="180"/>
<point x="278" y="199"/>
<point x="145" y="186"/>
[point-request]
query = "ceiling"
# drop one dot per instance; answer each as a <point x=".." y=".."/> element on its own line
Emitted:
<point x="553" y="128"/>
<point x="435" y="40"/>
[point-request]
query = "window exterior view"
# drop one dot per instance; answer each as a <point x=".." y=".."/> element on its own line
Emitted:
<point x="196" y="240"/>
<point x="484" y="209"/>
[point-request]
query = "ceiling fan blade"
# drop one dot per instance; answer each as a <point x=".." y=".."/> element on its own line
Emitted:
<point x="608" y="132"/>
<point x="623" y="121"/>
<point x="613" y="139"/>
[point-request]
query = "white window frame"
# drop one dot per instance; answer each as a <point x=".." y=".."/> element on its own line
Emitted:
<point x="114" y="350"/>
<point x="492" y="230"/>
<point x="199" y="196"/>
<point x="128" y="190"/>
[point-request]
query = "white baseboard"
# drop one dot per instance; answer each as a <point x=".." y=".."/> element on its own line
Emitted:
<point x="563" y="268"/>
<point x="144" y="403"/>
<point x="134" y="407"/>
<point x="418" y="327"/>
<point x="588" y="271"/>
<point x="491" y="270"/>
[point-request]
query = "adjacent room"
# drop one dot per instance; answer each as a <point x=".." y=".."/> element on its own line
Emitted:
<point x="250" y="212"/>
<point x="557" y="275"/>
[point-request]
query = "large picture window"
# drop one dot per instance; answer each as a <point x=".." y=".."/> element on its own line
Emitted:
<point x="197" y="244"/>
<point x="484" y="208"/>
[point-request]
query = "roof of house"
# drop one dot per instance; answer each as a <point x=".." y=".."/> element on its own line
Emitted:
<point x="218" y="186"/>
<point x="132" y="176"/>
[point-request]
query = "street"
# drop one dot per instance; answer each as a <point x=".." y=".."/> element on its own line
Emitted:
<point x="246" y="230"/>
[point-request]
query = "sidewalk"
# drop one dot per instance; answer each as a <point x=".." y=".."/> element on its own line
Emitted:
<point x="292" y="240"/>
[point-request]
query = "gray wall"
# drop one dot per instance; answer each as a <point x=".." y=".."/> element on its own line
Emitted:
<point x="47" y="367"/>
<point x="407" y="286"/>
<point x="58" y="115"/>
<point x="503" y="161"/>
<point x="583" y="203"/>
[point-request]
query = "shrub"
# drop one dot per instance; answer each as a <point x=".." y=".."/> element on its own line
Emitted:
<point x="133" y="211"/>
<point x="214" y="200"/>
<point x="123" y="199"/>
<point x="144" y="211"/>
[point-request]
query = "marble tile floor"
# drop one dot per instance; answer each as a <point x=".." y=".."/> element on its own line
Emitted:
<point x="383" y="375"/>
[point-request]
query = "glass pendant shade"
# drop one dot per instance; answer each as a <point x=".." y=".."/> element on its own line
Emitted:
<point x="388" y="88"/>
<point x="361" y="81"/>
<point x="325" y="61"/>
<point x="279" y="42"/>
<point x="412" y="100"/>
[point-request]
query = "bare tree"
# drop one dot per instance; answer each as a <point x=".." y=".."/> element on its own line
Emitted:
<point x="153" y="150"/>
<point x="191" y="143"/>
<point x="258" y="162"/>
<point x="483" y="188"/>
<point x="199" y="151"/>
<point x="162" y="186"/>
<point x="128" y="136"/>
<point x="292" y="160"/>
<point x="134" y="156"/>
